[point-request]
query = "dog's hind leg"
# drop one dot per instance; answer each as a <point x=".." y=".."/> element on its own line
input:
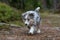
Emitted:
<point x="38" y="28"/>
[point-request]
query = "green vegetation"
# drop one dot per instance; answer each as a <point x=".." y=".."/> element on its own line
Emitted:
<point x="11" y="10"/>
<point x="7" y="13"/>
<point x="5" y="27"/>
<point x="53" y="19"/>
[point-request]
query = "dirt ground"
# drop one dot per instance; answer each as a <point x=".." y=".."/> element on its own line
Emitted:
<point x="47" y="33"/>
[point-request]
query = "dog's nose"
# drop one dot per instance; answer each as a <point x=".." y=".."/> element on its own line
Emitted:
<point x="26" y="24"/>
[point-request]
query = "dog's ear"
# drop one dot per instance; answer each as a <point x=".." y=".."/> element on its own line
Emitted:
<point x="23" y="14"/>
<point x="37" y="9"/>
<point x="31" y="15"/>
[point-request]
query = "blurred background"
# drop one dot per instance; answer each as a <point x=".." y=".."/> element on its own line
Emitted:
<point x="11" y="10"/>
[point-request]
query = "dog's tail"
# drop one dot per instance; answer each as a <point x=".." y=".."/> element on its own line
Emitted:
<point x="37" y="9"/>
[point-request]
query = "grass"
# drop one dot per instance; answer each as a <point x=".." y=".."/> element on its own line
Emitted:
<point x="20" y="23"/>
<point x="54" y="19"/>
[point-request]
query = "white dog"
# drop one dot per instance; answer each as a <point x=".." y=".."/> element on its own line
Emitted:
<point x="32" y="20"/>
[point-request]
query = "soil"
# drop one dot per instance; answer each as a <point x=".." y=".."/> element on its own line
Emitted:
<point x="20" y="33"/>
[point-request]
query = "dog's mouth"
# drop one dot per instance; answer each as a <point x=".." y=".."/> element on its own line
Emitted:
<point x="28" y="27"/>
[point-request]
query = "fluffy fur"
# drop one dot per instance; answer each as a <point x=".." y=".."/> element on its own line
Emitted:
<point x="32" y="20"/>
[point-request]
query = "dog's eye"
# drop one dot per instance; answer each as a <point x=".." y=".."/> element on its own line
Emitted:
<point x="28" y="19"/>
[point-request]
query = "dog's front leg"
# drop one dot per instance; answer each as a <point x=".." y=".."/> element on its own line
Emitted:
<point x="32" y="29"/>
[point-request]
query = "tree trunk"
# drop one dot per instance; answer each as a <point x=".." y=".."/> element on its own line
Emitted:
<point x="22" y="4"/>
<point x="6" y="1"/>
<point x="54" y="4"/>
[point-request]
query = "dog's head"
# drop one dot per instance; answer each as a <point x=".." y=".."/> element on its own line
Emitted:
<point x="28" y="17"/>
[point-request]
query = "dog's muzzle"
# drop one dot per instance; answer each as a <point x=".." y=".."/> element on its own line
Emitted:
<point x="26" y="24"/>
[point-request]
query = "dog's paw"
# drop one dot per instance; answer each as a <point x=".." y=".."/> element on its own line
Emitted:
<point x="31" y="31"/>
<point x="38" y="31"/>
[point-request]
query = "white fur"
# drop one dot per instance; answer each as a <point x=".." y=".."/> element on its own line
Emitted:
<point x="38" y="31"/>
<point x="26" y="22"/>
<point x="37" y="9"/>
<point x="32" y="29"/>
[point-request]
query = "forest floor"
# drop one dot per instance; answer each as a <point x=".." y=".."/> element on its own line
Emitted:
<point x="48" y="32"/>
